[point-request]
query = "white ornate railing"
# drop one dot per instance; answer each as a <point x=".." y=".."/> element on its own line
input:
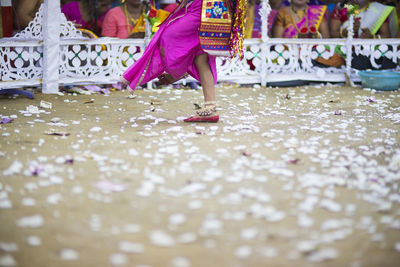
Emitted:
<point x="102" y="60"/>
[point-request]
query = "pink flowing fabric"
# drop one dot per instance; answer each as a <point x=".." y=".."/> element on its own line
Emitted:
<point x="172" y="49"/>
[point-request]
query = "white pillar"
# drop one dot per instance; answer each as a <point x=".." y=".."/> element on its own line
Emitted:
<point x="264" y="12"/>
<point x="349" y="48"/>
<point x="51" y="46"/>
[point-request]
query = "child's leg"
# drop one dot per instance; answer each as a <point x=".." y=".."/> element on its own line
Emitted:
<point x="206" y="77"/>
<point x="208" y="113"/>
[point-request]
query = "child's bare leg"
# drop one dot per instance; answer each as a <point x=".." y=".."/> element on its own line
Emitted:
<point x="206" y="77"/>
<point x="208" y="113"/>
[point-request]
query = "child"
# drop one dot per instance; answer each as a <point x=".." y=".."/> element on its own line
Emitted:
<point x="176" y="50"/>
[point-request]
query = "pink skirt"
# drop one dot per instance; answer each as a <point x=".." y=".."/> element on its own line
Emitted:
<point x="172" y="49"/>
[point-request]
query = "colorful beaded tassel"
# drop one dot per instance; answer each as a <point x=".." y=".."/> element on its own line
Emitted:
<point x="237" y="36"/>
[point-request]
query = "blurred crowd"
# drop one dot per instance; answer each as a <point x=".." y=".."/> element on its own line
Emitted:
<point x="287" y="19"/>
<point x="326" y="18"/>
<point x="114" y="18"/>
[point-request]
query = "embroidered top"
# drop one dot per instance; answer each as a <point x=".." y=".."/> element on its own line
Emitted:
<point x="309" y="22"/>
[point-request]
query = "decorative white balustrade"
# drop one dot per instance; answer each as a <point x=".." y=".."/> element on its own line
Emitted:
<point x="103" y="60"/>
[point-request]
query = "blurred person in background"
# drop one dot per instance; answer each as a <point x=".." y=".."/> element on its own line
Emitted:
<point x="371" y="20"/>
<point x="87" y="14"/>
<point x="300" y="20"/>
<point x="396" y="5"/>
<point x="254" y="20"/>
<point x="168" y="5"/>
<point x="25" y="11"/>
<point x="310" y="2"/>
<point x="63" y="2"/>
<point x="125" y="21"/>
<point x="115" y="3"/>
<point x="331" y="4"/>
<point x="367" y="22"/>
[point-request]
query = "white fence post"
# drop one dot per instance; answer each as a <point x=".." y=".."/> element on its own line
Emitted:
<point x="51" y="46"/>
<point x="264" y="13"/>
<point x="349" y="48"/>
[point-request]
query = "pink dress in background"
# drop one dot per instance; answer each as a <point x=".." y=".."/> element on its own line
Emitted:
<point x="114" y="24"/>
<point x="171" y="7"/>
<point x="172" y="49"/>
<point x="72" y="12"/>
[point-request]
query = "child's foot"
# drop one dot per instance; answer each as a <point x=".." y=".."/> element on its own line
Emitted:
<point x="208" y="113"/>
<point x="124" y="84"/>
